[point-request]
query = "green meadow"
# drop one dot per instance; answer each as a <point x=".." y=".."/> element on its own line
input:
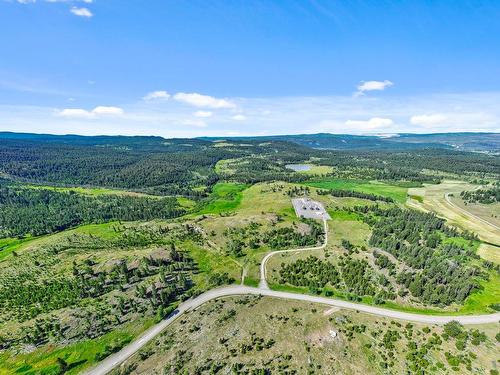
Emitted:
<point x="398" y="193"/>
<point x="225" y="197"/>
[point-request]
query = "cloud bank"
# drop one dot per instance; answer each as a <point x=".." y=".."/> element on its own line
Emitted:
<point x="95" y="113"/>
<point x="203" y="101"/>
<point x="194" y="114"/>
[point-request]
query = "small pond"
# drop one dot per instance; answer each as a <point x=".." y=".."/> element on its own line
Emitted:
<point x="298" y="167"/>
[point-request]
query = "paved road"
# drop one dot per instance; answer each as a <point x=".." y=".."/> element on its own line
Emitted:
<point x="448" y="200"/>
<point x="263" y="269"/>
<point x="116" y="359"/>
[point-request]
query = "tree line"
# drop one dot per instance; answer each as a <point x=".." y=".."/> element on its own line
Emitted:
<point x="355" y="194"/>
<point x="484" y="196"/>
<point x="29" y="211"/>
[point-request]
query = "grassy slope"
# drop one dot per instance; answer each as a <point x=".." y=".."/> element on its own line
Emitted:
<point x="82" y="354"/>
<point x="90" y="190"/>
<point x="246" y="202"/>
<point x="433" y="199"/>
<point x="9" y="245"/>
<point x="300" y="330"/>
<point x="225" y="197"/>
<point x="398" y="193"/>
<point x="479" y="301"/>
<point x="78" y="356"/>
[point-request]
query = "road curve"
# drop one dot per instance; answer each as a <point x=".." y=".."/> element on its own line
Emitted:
<point x="263" y="271"/>
<point x="448" y="200"/>
<point x="116" y="359"/>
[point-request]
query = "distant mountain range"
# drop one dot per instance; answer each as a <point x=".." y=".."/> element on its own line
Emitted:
<point x="476" y="142"/>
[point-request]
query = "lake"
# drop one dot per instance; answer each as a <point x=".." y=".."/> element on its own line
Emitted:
<point x="298" y="167"/>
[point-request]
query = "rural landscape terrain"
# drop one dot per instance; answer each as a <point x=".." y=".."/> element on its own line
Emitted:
<point x="304" y="254"/>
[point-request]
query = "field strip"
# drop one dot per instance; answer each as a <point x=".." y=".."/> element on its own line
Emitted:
<point x="470" y="214"/>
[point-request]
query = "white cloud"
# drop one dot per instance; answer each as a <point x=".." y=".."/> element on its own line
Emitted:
<point x="81" y="12"/>
<point x="269" y="115"/>
<point x="373" y="123"/>
<point x="75" y="113"/>
<point x="203" y="101"/>
<point x="365" y="86"/>
<point x="154" y="95"/>
<point x="111" y="111"/>
<point x="428" y="120"/>
<point x="239" y="117"/>
<point x="203" y="114"/>
<point x="26" y="1"/>
<point x="96" y="112"/>
<point x="459" y="121"/>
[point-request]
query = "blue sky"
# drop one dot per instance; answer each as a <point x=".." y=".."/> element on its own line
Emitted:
<point x="190" y="68"/>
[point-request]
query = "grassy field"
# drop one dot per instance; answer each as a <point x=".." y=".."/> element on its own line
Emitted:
<point x="432" y="198"/>
<point x="186" y="202"/>
<point x="225" y="197"/>
<point x="316" y="170"/>
<point x="10" y="245"/>
<point x="303" y="338"/>
<point x="489" y="252"/>
<point x="488" y="212"/>
<point x="398" y="193"/>
<point x="480" y="301"/>
<point x="90" y="190"/>
<point x="210" y="262"/>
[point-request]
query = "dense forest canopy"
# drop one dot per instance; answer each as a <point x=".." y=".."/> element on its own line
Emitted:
<point x="440" y="269"/>
<point x="31" y="211"/>
<point x="177" y="166"/>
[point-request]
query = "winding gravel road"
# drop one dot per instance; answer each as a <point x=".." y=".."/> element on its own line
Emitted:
<point x="263" y="269"/>
<point x="116" y="359"/>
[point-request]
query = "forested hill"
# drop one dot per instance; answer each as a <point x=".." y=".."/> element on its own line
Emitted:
<point x="188" y="167"/>
<point x="480" y="142"/>
<point x="148" y="164"/>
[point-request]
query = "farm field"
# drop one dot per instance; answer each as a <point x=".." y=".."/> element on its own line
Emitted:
<point x="487" y="212"/>
<point x="489" y="252"/>
<point x="433" y="198"/>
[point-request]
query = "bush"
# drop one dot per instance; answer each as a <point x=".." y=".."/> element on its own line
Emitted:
<point x="453" y="329"/>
